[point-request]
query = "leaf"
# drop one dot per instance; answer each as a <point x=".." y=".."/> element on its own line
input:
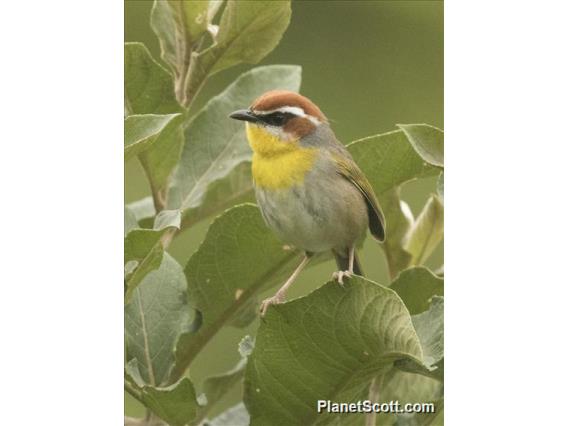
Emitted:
<point x="416" y="287"/>
<point x="237" y="415"/>
<point x="221" y="282"/>
<point x="235" y="188"/>
<point x="389" y="160"/>
<point x="166" y="219"/>
<point x="399" y="219"/>
<point x="141" y="131"/>
<point x="142" y="209"/>
<point x="148" y="88"/>
<point x="129" y="220"/>
<point x="429" y="326"/>
<point x="215" y="144"/>
<point x="135" y="270"/>
<point x="426" y="232"/>
<point x="163" y="23"/>
<point x="215" y="387"/>
<point x="176" y="404"/>
<point x="440" y="186"/>
<point x="325" y="346"/>
<point x="440" y="271"/>
<point x="248" y="31"/>
<point x="139" y="242"/>
<point x="179" y="26"/>
<point x="154" y="320"/>
<point x="159" y="161"/>
<point x="144" y="247"/>
<point x="410" y="388"/>
<point x="428" y="141"/>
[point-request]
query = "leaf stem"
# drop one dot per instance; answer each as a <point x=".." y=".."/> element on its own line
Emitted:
<point x="374" y="395"/>
<point x="128" y="387"/>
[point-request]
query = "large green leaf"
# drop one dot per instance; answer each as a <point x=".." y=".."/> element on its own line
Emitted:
<point x="176" y="404"/>
<point x="148" y="88"/>
<point x="154" y="320"/>
<point x="428" y="141"/>
<point x="215" y="144"/>
<point x="325" y="346"/>
<point x="416" y="287"/>
<point x="222" y="283"/>
<point x="141" y="131"/>
<point x="389" y="160"/>
<point x="248" y="31"/>
<point x="426" y="232"/>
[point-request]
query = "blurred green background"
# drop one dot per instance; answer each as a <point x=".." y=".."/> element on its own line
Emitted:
<point x="368" y="65"/>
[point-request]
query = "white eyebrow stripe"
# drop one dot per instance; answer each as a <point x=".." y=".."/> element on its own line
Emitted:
<point x="292" y="110"/>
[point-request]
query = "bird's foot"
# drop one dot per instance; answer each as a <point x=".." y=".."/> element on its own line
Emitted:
<point x="274" y="300"/>
<point x="339" y="275"/>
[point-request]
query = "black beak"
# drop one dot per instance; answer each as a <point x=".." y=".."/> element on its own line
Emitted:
<point x="244" y="115"/>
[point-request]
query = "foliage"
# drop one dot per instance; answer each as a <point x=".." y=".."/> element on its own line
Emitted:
<point x="336" y="343"/>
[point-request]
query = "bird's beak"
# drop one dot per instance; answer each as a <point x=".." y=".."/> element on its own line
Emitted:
<point x="244" y="115"/>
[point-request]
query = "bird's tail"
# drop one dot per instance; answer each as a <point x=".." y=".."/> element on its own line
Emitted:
<point x="343" y="263"/>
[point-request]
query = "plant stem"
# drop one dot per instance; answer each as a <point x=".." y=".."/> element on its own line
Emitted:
<point x="133" y="391"/>
<point x="374" y="394"/>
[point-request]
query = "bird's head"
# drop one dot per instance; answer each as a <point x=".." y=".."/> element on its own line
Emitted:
<point x="279" y="118"/>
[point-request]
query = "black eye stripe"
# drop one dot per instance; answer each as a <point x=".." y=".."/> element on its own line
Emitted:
<point x="276" y="118"/>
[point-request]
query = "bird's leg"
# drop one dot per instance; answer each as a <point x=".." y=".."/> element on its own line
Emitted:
<point x="339" y="275"/>
<point x="280" y="295"/>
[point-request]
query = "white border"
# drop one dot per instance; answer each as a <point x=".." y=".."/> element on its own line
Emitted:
<point x="506" y="206"/>
<point x="62" y="195"/>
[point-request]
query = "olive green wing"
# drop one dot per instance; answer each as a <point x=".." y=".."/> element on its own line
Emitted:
<point x="347" y="168"/>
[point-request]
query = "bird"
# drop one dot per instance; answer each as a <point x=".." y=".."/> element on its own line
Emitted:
<point x="309" y="190"/>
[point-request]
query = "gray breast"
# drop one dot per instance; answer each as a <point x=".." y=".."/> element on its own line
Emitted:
<point x="325" y="212"/>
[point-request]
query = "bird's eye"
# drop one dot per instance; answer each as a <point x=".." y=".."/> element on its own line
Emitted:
<point x="275" y="119"/>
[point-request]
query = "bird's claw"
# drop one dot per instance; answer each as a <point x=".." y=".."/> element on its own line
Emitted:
<point x="274" y="300"/>
<point x="339" y="275"/>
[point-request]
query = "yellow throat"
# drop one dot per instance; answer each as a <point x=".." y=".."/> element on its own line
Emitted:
<point x="277" y="164"/>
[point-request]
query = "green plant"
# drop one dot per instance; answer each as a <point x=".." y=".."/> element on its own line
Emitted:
<point x="362" y="341"/>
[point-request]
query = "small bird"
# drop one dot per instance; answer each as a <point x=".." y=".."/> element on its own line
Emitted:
<point x="308" y="187"/>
